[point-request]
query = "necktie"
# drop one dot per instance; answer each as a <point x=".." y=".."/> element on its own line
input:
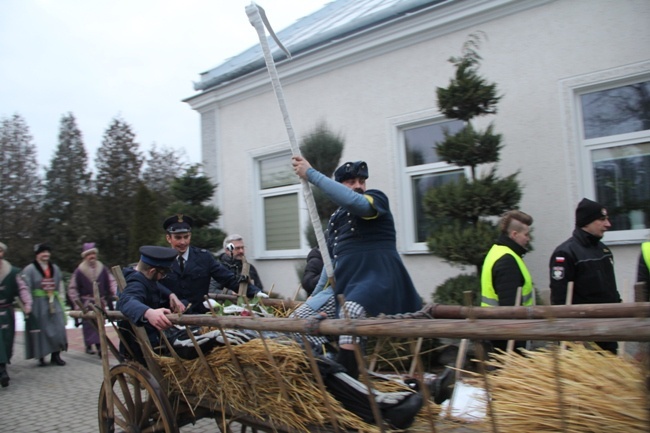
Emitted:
<point x="181" y="262"/>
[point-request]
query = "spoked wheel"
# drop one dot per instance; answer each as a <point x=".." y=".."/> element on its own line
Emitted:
<point x="139" y="405"/>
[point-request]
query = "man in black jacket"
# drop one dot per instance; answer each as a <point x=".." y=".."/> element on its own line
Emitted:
<point x="233" y="256"/>
<point x="584" y="260"/>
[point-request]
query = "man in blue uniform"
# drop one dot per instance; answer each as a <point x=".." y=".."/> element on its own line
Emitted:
<point x="191" y="271"/>
<point x="361" y="240"/>
<point x="587" y="262"/>
<point x="143" y="298"/>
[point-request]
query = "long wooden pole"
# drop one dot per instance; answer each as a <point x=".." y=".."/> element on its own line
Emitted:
<point x="257" y="18"/>
<point x="594" y="311"/>
<point x="613" y="329"/>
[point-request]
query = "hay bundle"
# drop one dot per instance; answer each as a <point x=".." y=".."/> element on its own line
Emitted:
<point x="258" y="394"/>
<point x="593" y="391"/>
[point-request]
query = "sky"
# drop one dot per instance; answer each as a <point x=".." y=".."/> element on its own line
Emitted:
<point x="132" y="59"/>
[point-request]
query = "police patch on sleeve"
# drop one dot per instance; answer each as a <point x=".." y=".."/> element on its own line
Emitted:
<point x="558" y="272"/>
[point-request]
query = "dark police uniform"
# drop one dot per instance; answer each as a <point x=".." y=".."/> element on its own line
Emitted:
<point x="141" y="294"/>
<point x="192" y="284"/>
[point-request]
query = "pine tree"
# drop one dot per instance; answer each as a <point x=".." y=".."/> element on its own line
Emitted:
<point x="64" y="219"/>
<point x="464" y="230"/>
<point x="323" y="149"/>
<point x="190" y="192"/>
<point x="20" y="189"/>
<point x="146" y="228"/>
<point x="162" y="166"/>
<point x="118" y="179"/>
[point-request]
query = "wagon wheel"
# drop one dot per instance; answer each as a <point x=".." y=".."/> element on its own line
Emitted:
<point x="139" y="405"/>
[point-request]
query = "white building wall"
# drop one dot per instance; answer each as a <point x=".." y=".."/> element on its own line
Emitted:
<point x="529" y="55"/>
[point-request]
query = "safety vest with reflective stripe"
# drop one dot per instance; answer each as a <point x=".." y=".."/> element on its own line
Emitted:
<point x="489" y="297"/>
<point x="645" y="250"/>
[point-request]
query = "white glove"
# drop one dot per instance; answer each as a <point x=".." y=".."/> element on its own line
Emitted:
<point x="262" y="295"/>
<point x="200" y="339"/>
<point x="233" y="309"/>
<point x="211" y="302"/>
<point x="234" y="337"/>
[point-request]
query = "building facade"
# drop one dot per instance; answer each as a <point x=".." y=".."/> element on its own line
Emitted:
<point x="575" y="120"/>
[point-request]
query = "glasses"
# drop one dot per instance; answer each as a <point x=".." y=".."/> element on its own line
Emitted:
<point x="163" y="271"/>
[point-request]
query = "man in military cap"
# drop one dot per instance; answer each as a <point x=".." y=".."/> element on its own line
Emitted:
<point x="190" y="273"/>
<point x="361" y="240"/>
<point x="143" y="298"/>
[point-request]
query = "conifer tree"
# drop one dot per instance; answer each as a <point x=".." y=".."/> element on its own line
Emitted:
<point x="323" y="149"/>
<point x="190" y="192"/>
<point x="64" y="218"/>
<point x="162" y="166"/>
<point x="146" y="228"/>
<point x="463" y="210"/>
<point x="20" y="189"/>
<point x="118" y="178"/>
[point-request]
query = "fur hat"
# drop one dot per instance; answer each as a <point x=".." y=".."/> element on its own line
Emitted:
<point x="39" y="248"/>
<point x="589" y="211"/>
<point x="351" y="170"/>
<point x="88" y="248"/>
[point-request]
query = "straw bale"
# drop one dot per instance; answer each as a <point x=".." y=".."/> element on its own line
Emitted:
<point x="591" y="390"/>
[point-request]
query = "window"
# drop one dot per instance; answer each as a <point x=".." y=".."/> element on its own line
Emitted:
<point x="283" y="215"/>
<point x="616" y="142"/>
<point x="422" y="170"/>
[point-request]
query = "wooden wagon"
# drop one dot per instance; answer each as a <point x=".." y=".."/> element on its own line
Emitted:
<point x="139" y="398"/>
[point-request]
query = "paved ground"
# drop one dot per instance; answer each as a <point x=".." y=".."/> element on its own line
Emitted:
<point x="65" y="399"/>
<point x="58" y="399"/>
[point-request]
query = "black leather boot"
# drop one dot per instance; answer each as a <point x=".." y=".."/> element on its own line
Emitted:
<point x="41" y="362"/>
<point x="442" y="386"/>
<point x="4" y="377"/>
<point x="348" y="360"/>
<point x="56" y="359"/>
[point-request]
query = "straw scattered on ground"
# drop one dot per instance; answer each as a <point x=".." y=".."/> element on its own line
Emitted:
<point x="591" y="390"/>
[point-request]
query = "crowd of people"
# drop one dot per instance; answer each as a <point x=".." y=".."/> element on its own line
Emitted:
<point x="369" y="279"/>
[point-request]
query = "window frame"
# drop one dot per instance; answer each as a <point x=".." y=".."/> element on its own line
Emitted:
<point x="573" y="90"/>
<point x="259" y="209"/>
<point x="407" y="241"/>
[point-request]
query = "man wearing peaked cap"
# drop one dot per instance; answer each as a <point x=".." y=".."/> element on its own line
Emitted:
<point x="193" y="268"/>
<point x="587" y="262"/>
<point x="81" y="290"/>
<point x="178" y="223"/>
<point x="143" y="298"/>
<point x="361" y="240"/>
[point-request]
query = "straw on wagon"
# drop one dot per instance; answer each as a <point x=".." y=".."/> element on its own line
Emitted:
<point x="572" y="390"/>
<point x="258" y="394"/>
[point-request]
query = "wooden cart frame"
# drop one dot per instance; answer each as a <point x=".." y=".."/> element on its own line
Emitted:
<point x="134" y="398"/>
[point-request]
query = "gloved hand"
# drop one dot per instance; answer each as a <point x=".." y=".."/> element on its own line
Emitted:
<point x="209" y="302"/>
<point x="243" y="279"/>
<point x="233" y="309"/>
<point x="234" y="337"/>
<point x="261" y="295"/>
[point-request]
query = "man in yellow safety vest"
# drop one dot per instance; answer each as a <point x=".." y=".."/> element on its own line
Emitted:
<point x="504" y="271"/>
